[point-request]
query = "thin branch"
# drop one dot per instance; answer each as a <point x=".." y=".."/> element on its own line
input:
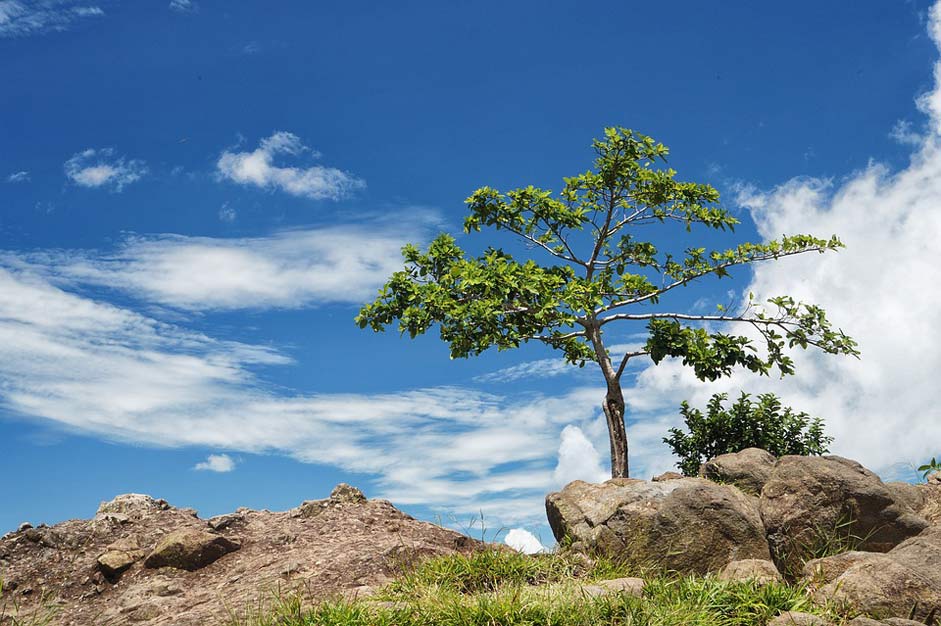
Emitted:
<point x="688" y="279"/>
<point x="628" y="357"/>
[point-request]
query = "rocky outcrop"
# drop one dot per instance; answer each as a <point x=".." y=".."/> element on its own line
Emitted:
<point x="811" y="501"/>
<point x="748" y="470"/>
<point x="189" y="549"/>
<point x="688" y="525"/>
<point x="142" y="561"/>
<point x="889" y="584"/>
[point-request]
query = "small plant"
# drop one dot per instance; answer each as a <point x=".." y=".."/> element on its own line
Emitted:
<point x="762" y="423"/>
<point x="929" y="468"/>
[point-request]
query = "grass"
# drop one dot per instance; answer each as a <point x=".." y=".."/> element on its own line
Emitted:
<point x="501" y="588"/>
<point x="12" y="614"/>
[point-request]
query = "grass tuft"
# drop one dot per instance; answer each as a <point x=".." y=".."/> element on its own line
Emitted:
<point x="498" y="587"/>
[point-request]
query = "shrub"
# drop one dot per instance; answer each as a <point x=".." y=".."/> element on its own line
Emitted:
<point x="762" y="423"/>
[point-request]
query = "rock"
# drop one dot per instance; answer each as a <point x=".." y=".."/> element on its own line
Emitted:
<point x="866" y="621"/>
<point x="931" y="503"/>
<point x="113" y="562"/>
<point x="796" y="618"/>
<point x="220" y="522"/>
<point x="311" y="508"/>
<point x="811" y="501"/>
<point x="761" y="570"/>
<point x="633" y="587"/>
<point x="825" y="570"/>
<point x="132" y="505"/>
<point x="666" y="476"/>
<point x="189" y="549"/>
<point x="911" y="495"/>
<point x="880" y="585"/>
<point x="748" y="470"/>
<point x="347" y="494"/>
<point x="688" y="525"/>
<point x="933" y="478"/>
<point x="23" y="526"/>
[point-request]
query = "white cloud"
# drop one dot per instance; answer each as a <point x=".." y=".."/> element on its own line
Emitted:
<point x="108" y="371"/>
<point x="257" y="168"/>
<point x="19" y="18"/>
<point x="101" y="168"/>
<point x="183" y="6"/>
<point x="227" y="213"/>
<point x="904" y="134"/>
<point x="578" y="459"/>
<point x="541" y="368"/>
<point x="216" y="463"/>
<point x="18" y="177"/>
<point x="289" y="269"/>
<point x="523" y="541"/>
<point x="882" y="290"/>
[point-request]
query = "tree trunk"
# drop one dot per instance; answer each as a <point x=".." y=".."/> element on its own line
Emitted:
<point x="614" y="412"/>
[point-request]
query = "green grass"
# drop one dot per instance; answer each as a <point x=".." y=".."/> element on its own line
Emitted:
<point x="499" y="588"/>
<point x="13" y="614"/>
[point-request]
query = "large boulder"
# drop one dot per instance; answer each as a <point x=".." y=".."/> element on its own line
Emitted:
<point x="132" y="506"/>
<point x="688" y="525"/>
<point x="883" y="585"/>
<point x="189" y="549"/>
<point x="748" y="470"/>
<point x="811" y="504"/>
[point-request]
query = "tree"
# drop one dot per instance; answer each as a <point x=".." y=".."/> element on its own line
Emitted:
<point x="746" y="424"/>
<point x="600" y="274"/>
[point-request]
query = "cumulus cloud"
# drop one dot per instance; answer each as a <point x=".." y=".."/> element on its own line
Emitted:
<point x="523" y="541"/>
<point x="216" y="463"/>
<point x="882" y="290"/>
<point x="290" y="269"/>
<point x="18" y="177"/>
<point x="19" y="18"/>
<point x="101" y="168"/>
<point x="257" y="168"/>
<point x="578" y="458"/>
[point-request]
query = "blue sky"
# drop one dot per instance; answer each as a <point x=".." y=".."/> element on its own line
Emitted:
<point x="195" y="197"/>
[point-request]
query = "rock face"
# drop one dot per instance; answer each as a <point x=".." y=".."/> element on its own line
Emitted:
<point x="748" y="470"/>
<point x="687" y="525"/>
<point x="189" y="549"/>
<point x="889" y="584"/>
<point x="94" y="570"/>
<point x="810" y="500"/>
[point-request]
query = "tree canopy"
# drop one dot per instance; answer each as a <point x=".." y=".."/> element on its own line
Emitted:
<point x="599" y="272"/>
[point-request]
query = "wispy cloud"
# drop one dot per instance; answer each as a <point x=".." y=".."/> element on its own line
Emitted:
<point x="220" y="463"/>
<point x="904" y="134"/>
<point x="19" y="18"/>
<point x="183" y="6"/>
<point x="18" y="177"/>
<point x="102" y="168"/>
<point x="105" y="370"/>
<point x="227" y="213"/>
<point x="257" y="168"/>
<point x="290" y="269"/>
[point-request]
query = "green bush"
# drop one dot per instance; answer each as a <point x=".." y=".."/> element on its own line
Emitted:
<point x="761" y="423"/>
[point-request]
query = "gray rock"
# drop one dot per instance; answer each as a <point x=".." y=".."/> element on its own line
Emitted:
<point x="225" y="521"/>
<point x="761" y="570"/>
<point x="23" y="526"/>
<point x="797" y="618"/>
<point x="688" y="525"/>
<point x="811" y="501"/>
<point x="748" y="470"/>
<point x="189" y="549"/>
